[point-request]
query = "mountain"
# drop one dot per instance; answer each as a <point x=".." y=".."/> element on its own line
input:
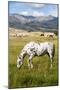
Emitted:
<point x="31" y="23"/>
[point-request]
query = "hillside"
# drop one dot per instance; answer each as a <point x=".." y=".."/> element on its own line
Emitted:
<point x="31" y="23"/>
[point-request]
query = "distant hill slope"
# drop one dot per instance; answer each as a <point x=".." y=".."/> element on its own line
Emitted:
<point x="31" y="23"/>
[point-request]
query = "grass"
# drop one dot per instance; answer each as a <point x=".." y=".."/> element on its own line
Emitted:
<point x="40" y="75"/>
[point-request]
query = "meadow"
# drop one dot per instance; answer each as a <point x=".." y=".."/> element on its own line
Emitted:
<point x="40" y="75"/>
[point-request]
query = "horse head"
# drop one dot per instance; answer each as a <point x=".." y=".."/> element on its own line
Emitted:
<point x="19" y="61"/>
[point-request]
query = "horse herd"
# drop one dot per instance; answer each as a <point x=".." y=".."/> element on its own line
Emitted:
<point x="48" y="34"/>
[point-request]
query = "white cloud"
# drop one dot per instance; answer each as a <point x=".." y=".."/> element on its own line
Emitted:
<point x="38" y="5"/>
<point x="24" y="13"/>
<point x="36" y="13"/>
<point x="33" y="13"/>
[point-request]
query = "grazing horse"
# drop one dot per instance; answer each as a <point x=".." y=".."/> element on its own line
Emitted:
<point x="36" y="49"/>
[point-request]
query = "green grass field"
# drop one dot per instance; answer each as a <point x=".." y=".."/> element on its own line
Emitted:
<point x="40" y="75"/>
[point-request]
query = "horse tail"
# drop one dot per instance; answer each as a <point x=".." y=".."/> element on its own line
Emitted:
<point x="53" y="53"/>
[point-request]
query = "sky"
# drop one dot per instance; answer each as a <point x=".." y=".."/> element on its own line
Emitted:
<point x="33" y="9"/>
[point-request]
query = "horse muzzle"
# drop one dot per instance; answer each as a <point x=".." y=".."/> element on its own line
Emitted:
<point x="18" y="66"/>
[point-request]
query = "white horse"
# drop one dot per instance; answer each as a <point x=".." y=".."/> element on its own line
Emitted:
<point x="32" y="49"/>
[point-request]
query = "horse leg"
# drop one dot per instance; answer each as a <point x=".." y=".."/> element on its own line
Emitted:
<point x="30" y="65"/>
<point x="51" y="63"/>
<point x="51" y="60"/>
<point x="50" y="56"/>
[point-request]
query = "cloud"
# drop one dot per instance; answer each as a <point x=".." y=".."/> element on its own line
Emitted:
<point x="24" y="13"/>
<point x="37" y="5"/>
<point x="54" y="13"/>
<point x="36" y="13"/>
<point x="33" y="13"/>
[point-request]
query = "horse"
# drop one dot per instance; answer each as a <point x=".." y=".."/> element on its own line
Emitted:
<point x="36" y="49"/>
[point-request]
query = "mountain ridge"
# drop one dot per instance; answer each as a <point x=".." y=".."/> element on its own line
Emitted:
<point x="32" y="23"/>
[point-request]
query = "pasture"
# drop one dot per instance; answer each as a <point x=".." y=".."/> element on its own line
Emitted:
<point x="40" y="75"/>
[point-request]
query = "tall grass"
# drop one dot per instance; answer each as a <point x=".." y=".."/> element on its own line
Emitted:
<point x="40" y="75"/>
